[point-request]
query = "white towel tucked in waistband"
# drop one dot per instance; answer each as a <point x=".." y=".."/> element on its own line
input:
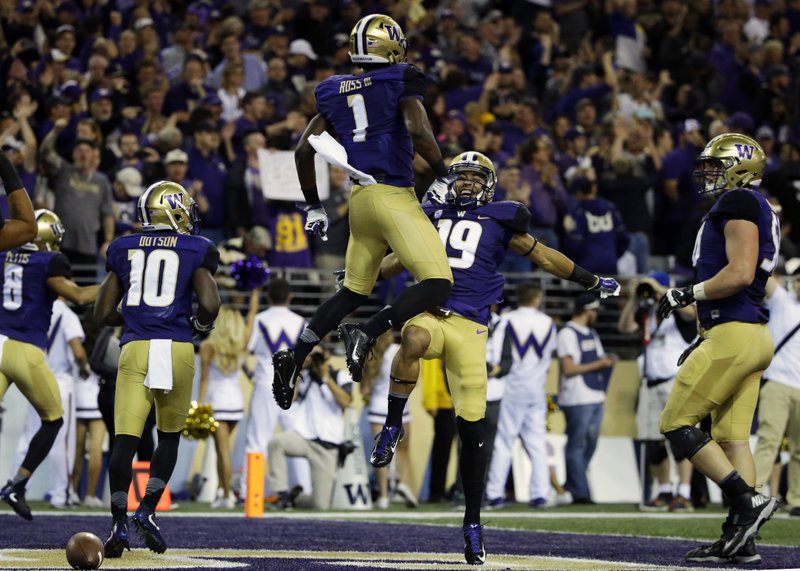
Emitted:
<point x="3" y="340"/>
<point x="333" y="152"/>
<point x="159" y="365"/>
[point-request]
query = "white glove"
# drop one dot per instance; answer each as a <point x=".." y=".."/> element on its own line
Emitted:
<point x="317" y="222"/>
<point x="437" y="191"/>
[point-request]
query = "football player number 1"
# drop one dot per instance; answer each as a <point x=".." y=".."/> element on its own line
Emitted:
<point x="153" y="277"/>
<point x="356" y="103"/>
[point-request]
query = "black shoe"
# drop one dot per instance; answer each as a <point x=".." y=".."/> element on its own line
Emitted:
<point x="357" y="346"/>
<point x="747" y="554"/>
<point x="118" y="541"/>
<point x="286" y="499"/>
<point x="285" y="379"/>
<point x="474" y="551"/>
<point x="16" y="499"/>
<point x="386" y="442"/>
<point x="795" y="512"/>
<point x="743" y="522"/>
<point x="145" y="522"/>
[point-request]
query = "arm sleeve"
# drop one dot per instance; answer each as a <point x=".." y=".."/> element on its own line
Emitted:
<point x="414" y="83"/>
<point x="59" y="266"/>
<point x="738" y="205"/>
<point x="211" y="259"/>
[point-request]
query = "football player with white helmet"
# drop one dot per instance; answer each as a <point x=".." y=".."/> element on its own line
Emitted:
<point x="153" y="277"/>
<point x="735" y="252"/>
<point x="476" y="233"/>
<point x="379" y="118"/>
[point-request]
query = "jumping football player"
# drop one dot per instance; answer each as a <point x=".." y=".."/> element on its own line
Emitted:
<point x="154" y="275"/>
<point x="476" y="233"/>
<point x="735" y="252"/>
<point x="379" y="118"/>
<point x="34" y="276"/>
<point x="21" y="228"/>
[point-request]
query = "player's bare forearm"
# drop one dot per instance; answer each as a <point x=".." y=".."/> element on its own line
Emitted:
<point x="208" y="301"/>
<point x="108" y="298"/>
<point x="419" y="128"/>
<point x="391" y="267"/>
<point x="550" y="260"/>
<point x="304" y="159"/>
<point x="741" y="248"/>
<point x="71" y="291"/>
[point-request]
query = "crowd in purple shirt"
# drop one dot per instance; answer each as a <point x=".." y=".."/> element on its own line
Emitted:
<point x="594" y="106"/>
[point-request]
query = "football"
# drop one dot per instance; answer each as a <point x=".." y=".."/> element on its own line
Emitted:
<point x="84" y="551"/>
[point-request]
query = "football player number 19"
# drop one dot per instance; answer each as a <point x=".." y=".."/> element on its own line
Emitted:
<point x="463" y="236"/>
<point x="356" y="103"/>
<point x="153" y="277"/>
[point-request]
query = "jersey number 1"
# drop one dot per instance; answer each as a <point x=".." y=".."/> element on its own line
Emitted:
<point x="356" y="103"/>
<point x="154" y="277"/>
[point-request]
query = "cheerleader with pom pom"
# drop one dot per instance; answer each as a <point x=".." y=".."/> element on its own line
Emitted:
<point x="221" y="359"/>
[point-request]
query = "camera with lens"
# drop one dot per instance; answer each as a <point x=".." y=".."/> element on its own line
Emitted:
<point x="317" y="359"/>
<point x="316" y="367"/>
<point x="646" y="294"/>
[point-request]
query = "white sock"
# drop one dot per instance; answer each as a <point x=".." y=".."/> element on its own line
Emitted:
<point x="685" y="490"/>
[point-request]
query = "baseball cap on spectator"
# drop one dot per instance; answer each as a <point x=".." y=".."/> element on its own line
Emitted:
<point x="131" y="179"/>
<point x="573" y="133"/>
<point x="57" y="99"/>
<point x="79" y="142"/>
<point x="662" y="278"/>
<point x="456" y="114"/>
<point x="301" y="47"/>
<point x="176" y="156"/>
<point x="211" y="98"/>
<point x="741" y="120"/>
<point x="71" y="90"/>
<point x="583" y="103"/>
<point x="493" y="16"/>
<point x="207" y="127"/>
<point x="585" y="301"/>
<point x="765" y="132"/>
<point x="197" y="54"/>
<point x="143" y="23"/>
<point x="65" y="28"/>
<point x="57" y="56"/>
<point x="99" y="94"/>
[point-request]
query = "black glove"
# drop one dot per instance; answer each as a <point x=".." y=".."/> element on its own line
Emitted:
<point x="198" y="328"/>
<point x="674" y="298"/>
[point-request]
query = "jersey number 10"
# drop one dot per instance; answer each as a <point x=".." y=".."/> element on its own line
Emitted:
<point x="153" y="277"/>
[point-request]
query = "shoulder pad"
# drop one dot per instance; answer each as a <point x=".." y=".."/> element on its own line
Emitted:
<point x="512" y="215"/>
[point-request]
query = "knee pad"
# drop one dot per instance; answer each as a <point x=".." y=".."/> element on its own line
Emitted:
<point x="654" y="452"/>
<point x="687" y="441"/>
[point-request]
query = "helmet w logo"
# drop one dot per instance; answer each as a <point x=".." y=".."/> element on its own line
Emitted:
<point x="174" y="200"/>
<point x="394" y="33"/>
<point x="745" y="151"/>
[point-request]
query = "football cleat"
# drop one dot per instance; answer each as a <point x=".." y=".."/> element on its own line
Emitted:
<point x="16" y="499"/>
<point x="747" y="554"/>
<point x="145" y="522"/>
<point x="386" y="442"/>
<point x="474" y="551"/>
<point x="118" y="541"/>
<point x="285" y="379"/>
<point x="743" y="522"/>
<point x="357" y="346"/>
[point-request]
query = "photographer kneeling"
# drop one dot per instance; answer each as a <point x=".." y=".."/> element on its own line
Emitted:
<point x="321" y="397"/>
<point x="663" y="342"/>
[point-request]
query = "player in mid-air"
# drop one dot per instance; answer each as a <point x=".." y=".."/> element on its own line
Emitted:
<point x="476" y="233"/>
<point x="152" y="278"/>
<point x="735" y="252"/>
<point x="379" y="118"/>
<point x="33" y="277"/>
<point x="21" y="228"/>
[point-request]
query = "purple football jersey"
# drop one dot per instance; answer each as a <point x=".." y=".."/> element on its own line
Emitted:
<point x="476" y="242"/>
<point x="364" y="111"/>
<point x="156" y="273"/>
<point x="709" y="257"/>
<point x="27" y="301"/>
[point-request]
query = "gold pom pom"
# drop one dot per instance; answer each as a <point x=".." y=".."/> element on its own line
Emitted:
<point x="200" y="422"/>
<point x="552" y="406"/>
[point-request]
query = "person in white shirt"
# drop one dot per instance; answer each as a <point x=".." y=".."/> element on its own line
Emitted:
<point x="528" y="340"/>
<point x="585" y="372"/>
<point x="663" y="342"/>
<point x="275" y="329"/>
<point x="779" y="400"/>
<point x="67" y="358"/>
<point x="221" y="359"/>
<point x="321" y="397"/>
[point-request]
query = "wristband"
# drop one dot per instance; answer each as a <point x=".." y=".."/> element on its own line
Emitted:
<point x="439" y="169"/>
<point x="528" y="253"/>
<point x="583" y="277"/>
<point x="699" y="291"/>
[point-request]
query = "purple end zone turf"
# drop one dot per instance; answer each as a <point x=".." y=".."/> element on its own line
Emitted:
<point x="275" y="533"/>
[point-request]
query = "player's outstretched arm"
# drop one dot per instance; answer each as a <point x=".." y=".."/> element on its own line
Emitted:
<point x="21" y="227"/>
<point x="108" y="298"/>
<point x="68" y="289"/>
<point x="418" y="126"/>
<point x="555" y="263"/>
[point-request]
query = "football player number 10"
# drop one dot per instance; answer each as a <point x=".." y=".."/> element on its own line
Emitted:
<point x="153" y="278"/>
